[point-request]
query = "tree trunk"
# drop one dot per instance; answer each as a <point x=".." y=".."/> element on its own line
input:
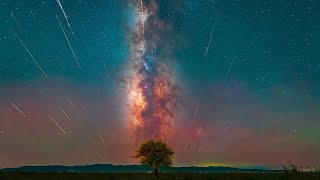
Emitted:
<point x="156" y="170"/>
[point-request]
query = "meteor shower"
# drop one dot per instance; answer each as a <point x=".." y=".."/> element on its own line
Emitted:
<point x="169" y="89"/>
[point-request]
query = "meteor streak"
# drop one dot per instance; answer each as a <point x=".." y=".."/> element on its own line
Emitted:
<point x="195" y="114"/>
<point x="153" y="134"/>
<point x="100" y="136"/>
<point x="105" y="67"/>
<point x="141" y="16"/>
<point x="64" y="112"/>
<point x="70" y="101"/>
<point x="209" y="41"/>
<point x="65" y="16"/>
<point x="229" y="69"/>
<point x="99" y="93"/>
<point x="56" y="123"/>
<point x="34" y="60"/>
<point x="18" y="109"/>
<point x="65" y="35"/>
<point x="100" y="156"/>
<point x="14" y="18"/>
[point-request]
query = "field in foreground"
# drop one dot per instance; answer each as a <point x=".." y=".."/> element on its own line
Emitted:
<point x="167" y="176"/>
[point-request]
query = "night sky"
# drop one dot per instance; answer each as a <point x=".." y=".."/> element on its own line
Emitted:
<point x="224" y="82"/>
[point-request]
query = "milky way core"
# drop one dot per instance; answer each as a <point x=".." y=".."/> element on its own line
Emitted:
<point x="150" y="88"/>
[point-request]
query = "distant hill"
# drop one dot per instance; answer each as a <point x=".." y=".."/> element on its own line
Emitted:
<point x="125" y="168"/>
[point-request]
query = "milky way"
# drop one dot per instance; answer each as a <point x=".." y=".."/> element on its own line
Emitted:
<point x="152" y="96"/>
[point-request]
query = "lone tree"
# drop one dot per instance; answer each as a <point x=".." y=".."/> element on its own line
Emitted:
<point x="155" y="154"/>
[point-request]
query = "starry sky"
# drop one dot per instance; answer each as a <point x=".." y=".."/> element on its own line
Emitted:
<point x="247" y="74"/>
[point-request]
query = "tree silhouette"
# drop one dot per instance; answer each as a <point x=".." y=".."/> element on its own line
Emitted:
<point x="155" y="154"/>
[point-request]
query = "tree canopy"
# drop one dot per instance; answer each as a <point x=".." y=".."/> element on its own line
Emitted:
<point x="155" y="154"/>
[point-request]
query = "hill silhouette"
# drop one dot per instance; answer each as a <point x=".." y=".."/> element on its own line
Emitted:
<point x="96" y="168"/>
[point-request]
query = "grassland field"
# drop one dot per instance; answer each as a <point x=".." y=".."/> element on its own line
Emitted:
<point x="163" y="176"/>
